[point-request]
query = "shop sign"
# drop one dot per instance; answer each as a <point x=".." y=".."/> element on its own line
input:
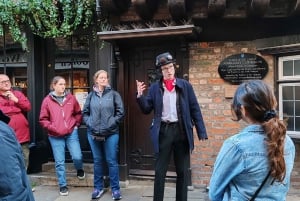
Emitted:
<point x="238" y="68"/>
<point x="67" y="64"/>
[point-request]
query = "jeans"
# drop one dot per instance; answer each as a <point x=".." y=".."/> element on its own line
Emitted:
<point x="25" y="149"/>
<point x="105" y="151"/>
<point x="58" y="145"/>
<point x="171" y="140"/>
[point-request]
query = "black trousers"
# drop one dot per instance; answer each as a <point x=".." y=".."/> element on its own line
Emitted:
<point x="171" y="140"/>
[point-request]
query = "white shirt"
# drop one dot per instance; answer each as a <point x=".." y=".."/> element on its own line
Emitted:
<point x="169" y="111"/>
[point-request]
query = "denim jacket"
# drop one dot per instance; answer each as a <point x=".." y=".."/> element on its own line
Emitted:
<point x="242" y="165"/>
<point x="14" y="182"/>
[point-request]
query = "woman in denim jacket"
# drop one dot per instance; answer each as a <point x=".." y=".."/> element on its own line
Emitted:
<point x="245" y="159"/>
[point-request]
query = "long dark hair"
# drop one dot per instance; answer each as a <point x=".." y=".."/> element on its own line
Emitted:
<point x="260" y="103"/>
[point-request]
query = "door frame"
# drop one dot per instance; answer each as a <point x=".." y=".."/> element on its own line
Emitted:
<point x="121" y="50"/>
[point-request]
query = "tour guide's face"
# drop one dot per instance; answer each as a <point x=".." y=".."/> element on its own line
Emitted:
<point x="168" y="71"/>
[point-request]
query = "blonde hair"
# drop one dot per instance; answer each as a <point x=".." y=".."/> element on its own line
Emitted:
<point x="96" y="75"/>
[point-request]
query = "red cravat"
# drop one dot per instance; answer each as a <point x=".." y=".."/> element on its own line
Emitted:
<point x="169" y="84"/>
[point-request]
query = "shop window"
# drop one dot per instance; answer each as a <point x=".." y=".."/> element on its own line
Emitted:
<point x="13" y="62"/>
<point x="289" y="93"/>
<point x="72" y="62"/>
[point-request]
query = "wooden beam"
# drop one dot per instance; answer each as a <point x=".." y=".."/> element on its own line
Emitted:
<point x="295" y="9"/>
<point x="145" y="9"/>
<point x="177" y="9"/>
<point x="149" y="32"/>
<point x="116" y="6"/>
<point x="257" y="8"/>
<point x="216" y="8"/>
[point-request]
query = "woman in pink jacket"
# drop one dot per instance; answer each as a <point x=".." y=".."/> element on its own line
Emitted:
<point x="61" y="116"/>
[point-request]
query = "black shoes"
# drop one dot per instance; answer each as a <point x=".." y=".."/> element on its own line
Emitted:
<point x="64" y="191"/>
<point x="80" y="174"/>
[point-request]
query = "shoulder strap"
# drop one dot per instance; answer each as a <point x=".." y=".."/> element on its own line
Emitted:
<point x="260" y="187"/>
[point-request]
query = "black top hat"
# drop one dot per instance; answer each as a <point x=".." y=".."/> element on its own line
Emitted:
<point x="163" y="59"/>
<point x="4" y="118"/>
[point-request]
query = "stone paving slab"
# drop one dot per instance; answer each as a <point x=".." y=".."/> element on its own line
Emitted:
<point x="130" y="193"/>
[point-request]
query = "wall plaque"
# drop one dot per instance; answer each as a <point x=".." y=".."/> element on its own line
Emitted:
<point x="241" y="67"/>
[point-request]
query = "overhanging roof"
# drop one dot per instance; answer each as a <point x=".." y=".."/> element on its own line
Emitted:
<point x="280" y="44"/>
<point x="147" y="32"/>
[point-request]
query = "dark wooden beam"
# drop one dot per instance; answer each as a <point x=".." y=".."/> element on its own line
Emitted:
<point x="257" y="8"/>
<point x="115" y="6"/>
<point x="295" y="8"/>
<point x="177" y="9"/>
<point x="145" y="8"/>
<point x="216" y="8"/>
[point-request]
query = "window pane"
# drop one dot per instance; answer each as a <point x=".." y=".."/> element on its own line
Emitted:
<point x="297" y="67"/>
<point x="297" y="125"/>
<point x="287" y="93"/>
<point x="297" y="92"/>
<point x="290" y="124"/>
<point x="297" y="108"/>
<point x="288" y="108"/>
<point x="14" y="63"/>
<point x="72" y="62"/>
<point x="287" y="68"/>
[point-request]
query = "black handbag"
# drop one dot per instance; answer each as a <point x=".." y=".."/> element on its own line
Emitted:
<point x="262" y="184"/>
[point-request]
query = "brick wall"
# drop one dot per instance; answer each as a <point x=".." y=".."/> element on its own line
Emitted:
<point x="215" y="96"/>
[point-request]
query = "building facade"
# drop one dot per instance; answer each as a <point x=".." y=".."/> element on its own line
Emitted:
<point x="201" y="35"/>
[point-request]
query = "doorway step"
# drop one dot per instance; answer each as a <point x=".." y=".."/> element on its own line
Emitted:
<point x="48" y="177"/>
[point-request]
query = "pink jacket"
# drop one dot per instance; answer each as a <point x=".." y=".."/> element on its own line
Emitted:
<point x="60" y="119"/>
<point x="16" y="113"/>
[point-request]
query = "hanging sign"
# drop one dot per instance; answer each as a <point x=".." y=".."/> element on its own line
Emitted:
<point x="238" y="68"/>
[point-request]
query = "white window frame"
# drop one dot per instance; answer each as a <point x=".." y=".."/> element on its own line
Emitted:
<point x="294" y="81"/>
<point x="280" y="68"/>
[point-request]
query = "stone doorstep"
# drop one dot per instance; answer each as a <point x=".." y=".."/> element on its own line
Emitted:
<point x="48" y="177"/>
<point x="50" y="167"/>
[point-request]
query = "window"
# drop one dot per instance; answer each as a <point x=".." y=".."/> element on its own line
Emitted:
<point x="13" y="62"/>
<point x="72" y="62"/>
<point x="289" y="93"/>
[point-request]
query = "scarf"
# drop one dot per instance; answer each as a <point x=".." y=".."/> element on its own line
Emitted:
<point x="169" y="84"/>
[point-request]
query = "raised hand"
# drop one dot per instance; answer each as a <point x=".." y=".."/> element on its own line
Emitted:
<point x="140" y="86"/>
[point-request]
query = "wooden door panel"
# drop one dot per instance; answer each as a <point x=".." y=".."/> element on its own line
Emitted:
<point x="140" y="148"/>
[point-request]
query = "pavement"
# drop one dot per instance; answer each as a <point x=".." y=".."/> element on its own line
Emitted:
<point x="129" y="193"/>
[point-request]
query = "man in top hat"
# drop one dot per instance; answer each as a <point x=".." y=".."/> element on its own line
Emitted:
<point x="176" y="111"/>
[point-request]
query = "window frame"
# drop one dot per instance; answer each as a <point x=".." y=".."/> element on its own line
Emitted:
<point x="286" y="81"/>
<point x="280" y="68"/>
